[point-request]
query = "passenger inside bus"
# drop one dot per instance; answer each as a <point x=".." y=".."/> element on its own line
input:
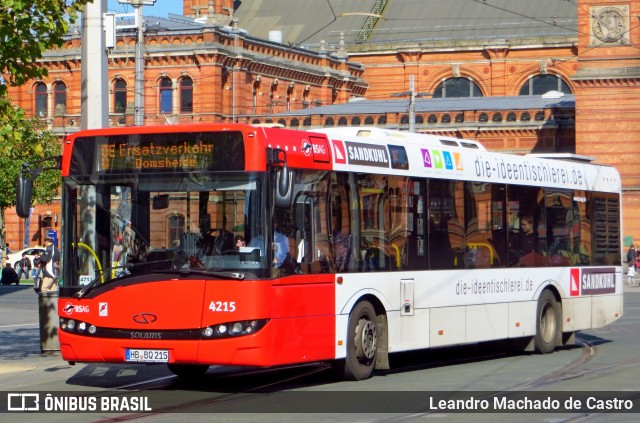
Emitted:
<point x="525" y="248"/>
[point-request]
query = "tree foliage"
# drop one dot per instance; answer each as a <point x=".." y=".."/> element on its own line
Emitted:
<point x="25" y="140"/>
<point x="27" y="29"/>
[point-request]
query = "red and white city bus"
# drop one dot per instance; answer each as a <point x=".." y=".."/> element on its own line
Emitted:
<point x="233" y="244"/>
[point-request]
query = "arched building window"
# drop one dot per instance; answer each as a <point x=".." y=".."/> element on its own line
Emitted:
<point x="166" y="95"/>
<point x="355" y="121"/>
<point x="40" y="99"/>
<point x="186" y="95"/>
<point x="60" y="98"/>
<point x="368" y="120"/>
<point x="342" y="121"/>
<point x="540" y="84"/>
<point x="329" y="122"/>
<point x="119" y="96"/>
<point x="457" y="87"/>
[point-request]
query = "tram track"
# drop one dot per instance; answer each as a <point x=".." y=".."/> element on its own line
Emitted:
<point x="299" y="372"/>
<point x="238" y="386"/>
<point x="571" y="370"/>
<point x="293" y="374"/>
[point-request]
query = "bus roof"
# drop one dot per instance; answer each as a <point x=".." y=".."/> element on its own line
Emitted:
<point x="369" y="134"/>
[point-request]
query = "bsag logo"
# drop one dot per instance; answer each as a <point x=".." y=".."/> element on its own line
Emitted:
<point x="70" y="308"/>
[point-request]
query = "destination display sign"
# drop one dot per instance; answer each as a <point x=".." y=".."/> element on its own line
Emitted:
<point x="185" y="155"/>
<point x="153" y="153"/>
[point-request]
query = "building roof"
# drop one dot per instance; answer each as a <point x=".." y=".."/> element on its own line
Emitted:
<point x="308" y="22"/>
<point x="376" y="24"/>
<point x="435" y="105"/>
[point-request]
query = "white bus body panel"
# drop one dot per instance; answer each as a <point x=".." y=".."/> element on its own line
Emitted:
<point x="452" y="307"/>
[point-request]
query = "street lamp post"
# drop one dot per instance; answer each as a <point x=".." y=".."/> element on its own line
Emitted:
<point x="138" y="96"/>
<point x="412" y="94"/>
<point x="94" y="94"/>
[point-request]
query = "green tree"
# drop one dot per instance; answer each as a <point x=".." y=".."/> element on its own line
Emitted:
<point x="24" y="140"/>
<point x="28" y="28"/>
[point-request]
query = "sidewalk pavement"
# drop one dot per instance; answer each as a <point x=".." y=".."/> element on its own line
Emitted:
<point x="21" y="357"/>
<point x="631" y="284"/>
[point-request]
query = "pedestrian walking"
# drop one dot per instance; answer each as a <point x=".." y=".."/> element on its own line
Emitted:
<point x="632" y="257"/>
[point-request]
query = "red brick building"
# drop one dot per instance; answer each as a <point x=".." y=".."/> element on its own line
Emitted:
<point x="223" y="66"/>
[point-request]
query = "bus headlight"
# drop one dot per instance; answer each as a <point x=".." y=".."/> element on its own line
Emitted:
<point x="233" y="329"/>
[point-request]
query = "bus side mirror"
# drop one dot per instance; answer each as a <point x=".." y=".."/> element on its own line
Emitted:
<point x="284" y="188"/>
<point x="24" y="190"/>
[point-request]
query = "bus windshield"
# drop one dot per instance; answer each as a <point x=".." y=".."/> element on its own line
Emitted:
<point x="179" y="223"/>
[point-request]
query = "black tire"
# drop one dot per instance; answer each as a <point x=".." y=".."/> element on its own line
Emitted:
<point x="188" y="371"/>
<point x="548" y="323"/>
<point x="362" y="344"/>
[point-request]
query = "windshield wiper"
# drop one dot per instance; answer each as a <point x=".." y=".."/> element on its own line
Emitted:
<point x="95" y="281"/>
<point x="188" y="271"/>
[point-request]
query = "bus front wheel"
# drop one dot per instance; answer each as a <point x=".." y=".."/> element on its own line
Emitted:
<point x="548" y="323"/>
<point x="362" y="344"/>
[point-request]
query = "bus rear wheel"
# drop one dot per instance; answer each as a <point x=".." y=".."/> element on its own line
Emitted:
<point x="362" y="344"/>
<point x="188" y="371"/>
<point x="548" y="323"/>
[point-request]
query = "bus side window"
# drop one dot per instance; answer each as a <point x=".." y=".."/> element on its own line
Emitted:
<point x="342" y="238"/>
<point x="310" y="218"/>
<point x="446" y="228"/>
<point x="527" y="220"/>
<point x="374" y="222"/>
<point x="485" y="229"/>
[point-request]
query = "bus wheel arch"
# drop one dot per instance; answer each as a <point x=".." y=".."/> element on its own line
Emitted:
<point x="367" y="341"/>
<point x="548" y="322"/>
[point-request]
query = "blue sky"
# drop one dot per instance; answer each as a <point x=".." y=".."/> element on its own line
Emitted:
<point x="161" y="8"/>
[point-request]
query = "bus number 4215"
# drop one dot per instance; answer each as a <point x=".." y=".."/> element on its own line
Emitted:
<point x="224" y="306"/>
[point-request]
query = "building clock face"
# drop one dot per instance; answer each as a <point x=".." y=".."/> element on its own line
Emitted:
<point x="609" y="24"/>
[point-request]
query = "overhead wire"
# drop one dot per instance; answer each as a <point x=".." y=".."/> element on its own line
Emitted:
<point x="371" y="79"/>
